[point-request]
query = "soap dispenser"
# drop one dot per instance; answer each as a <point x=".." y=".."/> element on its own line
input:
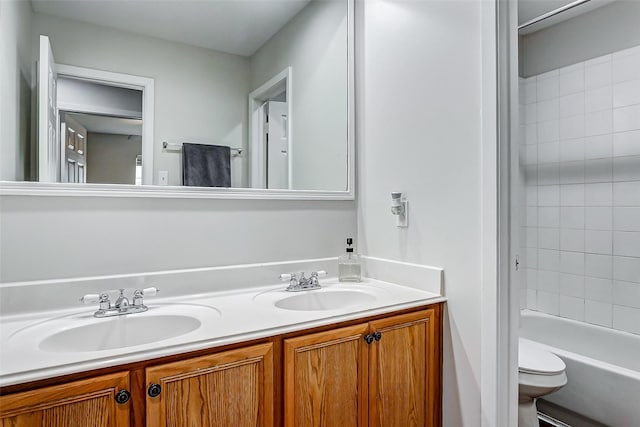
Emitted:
<point x="349" y="265"/>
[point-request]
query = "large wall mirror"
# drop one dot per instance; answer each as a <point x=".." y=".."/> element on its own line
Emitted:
<point x="195" y="97"/>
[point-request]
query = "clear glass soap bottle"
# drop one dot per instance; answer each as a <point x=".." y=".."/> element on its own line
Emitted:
<point x="349" y="269"/>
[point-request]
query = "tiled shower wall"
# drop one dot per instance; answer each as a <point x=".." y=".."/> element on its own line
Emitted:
<point x="580" y="163"/>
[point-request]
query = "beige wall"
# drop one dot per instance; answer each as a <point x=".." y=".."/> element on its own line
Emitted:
<point x="111" y="159"/>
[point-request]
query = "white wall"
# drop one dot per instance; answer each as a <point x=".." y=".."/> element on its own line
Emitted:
<point x="419" y="131"/>
<point x="200" y="95"/>
<point x="111" y="159"/>
<point x="15" y="90"/>
<point x="605" y="30"/>
<point x="314" y="44"/>
<point x="582" y="220"/>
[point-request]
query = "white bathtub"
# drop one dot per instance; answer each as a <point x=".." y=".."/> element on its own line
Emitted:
<point x="603" y="367"/>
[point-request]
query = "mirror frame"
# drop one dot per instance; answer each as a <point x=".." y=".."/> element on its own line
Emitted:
<point x="32" y="188"/>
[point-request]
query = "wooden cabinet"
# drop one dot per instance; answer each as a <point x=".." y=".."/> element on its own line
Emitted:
<point x="381" y="371"/>
<point x="384" y="373"/>
<point x="325" y="378"/>
<point x="232" y="388"/>
<point x="75" y="404"/>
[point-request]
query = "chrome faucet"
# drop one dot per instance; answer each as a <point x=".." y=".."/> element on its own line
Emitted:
<point x="303" y="284"/>
<point x="121" y="305"/>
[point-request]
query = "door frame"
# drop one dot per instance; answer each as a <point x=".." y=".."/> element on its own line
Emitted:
<point x="127" y="81"/>
<point x="257" y="98"/>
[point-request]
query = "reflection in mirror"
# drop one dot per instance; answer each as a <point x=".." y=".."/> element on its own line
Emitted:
<point x="157" y="93"/>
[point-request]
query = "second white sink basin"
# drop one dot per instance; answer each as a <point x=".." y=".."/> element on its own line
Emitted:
<point x="328" y="300"/>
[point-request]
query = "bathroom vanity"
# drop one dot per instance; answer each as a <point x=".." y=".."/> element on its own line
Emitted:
<point x="375" y="362"/>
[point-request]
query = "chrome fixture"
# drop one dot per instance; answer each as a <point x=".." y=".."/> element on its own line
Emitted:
<point x="121" y="305"/>
<point x="399" y="208"/>
<point x="303" y="284"/>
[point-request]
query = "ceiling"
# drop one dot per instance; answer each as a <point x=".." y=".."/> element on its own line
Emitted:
<point x="105" y="124"/>
<point x="531" y="9"/>
<point x="234" y="26"/>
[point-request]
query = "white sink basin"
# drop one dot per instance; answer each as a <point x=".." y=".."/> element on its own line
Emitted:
<point x="85" y="333"/>
<point x="328" y="300"/>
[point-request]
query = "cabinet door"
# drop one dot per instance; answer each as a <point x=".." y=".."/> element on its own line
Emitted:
<point x="325" y="378"/>
<point x="75" y="404"/>
<point x="403" y="371"/>
<point x="231" y="388"/>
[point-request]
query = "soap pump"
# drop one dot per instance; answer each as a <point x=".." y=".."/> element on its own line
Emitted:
<point x="349" y="269"/>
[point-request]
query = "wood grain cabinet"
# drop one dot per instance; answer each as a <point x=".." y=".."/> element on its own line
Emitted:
<point x="382" y="373"/>
<point x="102" y="401"/>
<point x="231" y="388"/>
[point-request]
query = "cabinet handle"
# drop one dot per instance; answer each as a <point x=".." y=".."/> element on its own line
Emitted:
<point x="154" y="390"/>
<point x="377" y="335"/>
<point x="123" y="396"/>
<point x="368" y="338"/>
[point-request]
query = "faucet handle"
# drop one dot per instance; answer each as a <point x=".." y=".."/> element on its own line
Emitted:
<point x="287" y="277"/>
<point x="150" y="292"/>
<point x="319" y="273"/>
<point x="90" y="298"/>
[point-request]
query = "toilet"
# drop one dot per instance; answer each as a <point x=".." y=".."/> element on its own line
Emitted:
<point x="540" y="372"/>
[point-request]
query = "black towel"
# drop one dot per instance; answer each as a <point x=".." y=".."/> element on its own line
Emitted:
<point x="206" y="165"/>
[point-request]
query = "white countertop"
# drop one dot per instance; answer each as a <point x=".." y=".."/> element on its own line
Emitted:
<point x="226" y="317"/>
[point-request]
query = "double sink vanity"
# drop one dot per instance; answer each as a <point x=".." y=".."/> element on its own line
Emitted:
<point x="345" y="354"/>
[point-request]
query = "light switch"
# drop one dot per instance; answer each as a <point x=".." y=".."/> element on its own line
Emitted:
<point x="163" y="178"/>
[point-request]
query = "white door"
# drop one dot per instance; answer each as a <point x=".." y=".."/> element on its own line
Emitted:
<point x="48" y="149"/>
<point x="277" y="145"/>
<point x="74" y="146"/>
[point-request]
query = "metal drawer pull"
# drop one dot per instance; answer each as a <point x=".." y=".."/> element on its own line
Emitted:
<point x="154" y="390"/>
<point x="123" y="396"/>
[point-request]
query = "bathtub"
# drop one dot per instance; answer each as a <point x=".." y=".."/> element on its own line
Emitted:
<point x="603" y="367"/>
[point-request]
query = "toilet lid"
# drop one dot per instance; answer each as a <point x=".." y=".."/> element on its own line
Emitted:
<point x="533" y="359"/>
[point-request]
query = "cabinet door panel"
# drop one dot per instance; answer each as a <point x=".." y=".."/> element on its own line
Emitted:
<point x="232" y="388"/>
<point x="326" y="378"/>
<point x="403" y="371"/>
<point x="75" y="404"/>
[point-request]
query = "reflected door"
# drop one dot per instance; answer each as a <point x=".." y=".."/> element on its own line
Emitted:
<point x="277" y="145"/>
<point x="74" y="146"/>
<point x="48" y="152"/>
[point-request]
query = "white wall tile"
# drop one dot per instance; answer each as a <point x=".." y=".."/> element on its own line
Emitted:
<point x="626" y="193"/>
<point x="600" y="266"/>
<point x="574" y="127"/>
<point x="598" y="99"/>
<point x="600" y="194"/>
<point x="626" y="219"/>
<point x="599" y="123"/>
<point x="572" y="285"/>
<point x="531" y="196"/>
<point x="598" y="170"/>
<point x="626" y="243"/>
<point x="531" y="154"/>
<point x="532" y="278"/>
<point x="531" y="237"/>
<point x="572" y="150"/>
<point x="532" y="217"/>
<point x="548" y="302"/>
<point x="572" y="195"/>
<point x="626" y="66"/>
<point x="598" y="289"/>
<point x="626" y="293"/>
<point x="626" y="93"/>
<point x="626" y="319"/>
<point x="531" y="134"/>
<point x="549" y="260"/>
<point x="572" y="262"/>
<point x="549" y="216"/>
<point x="572" y="80"/>
<point x="549" y="195"/>
<point x="530" y="114"/>
<point x="572" y="216"/>
<point x="531" y="257"/>
<point x="549" y="153"/>
<point x="598" y="218"/>
<point x="548" y="131"/>
<point x="626" y="118"/>
<point x="571" y="239"/>
<point x="598" y="146"/>
<point x="548" y="110"/>
<point x="598" y="242"/>
<point x="572" y="307"/>
<point x="531" y="299"/>
<point x="548" y="281"/>
<point x="598" y="313"/>
<point x="548" y="86"/>
<point x="597" y="74"/>
<point x="626" y="269"/>
<point x="548" y="173"/>
<point x="549" y="238"/>
<point x="626" y="143"/>
<point x="571" y="105"/>
<point x="626" y="168"/>
<point x="530" y="91"/>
